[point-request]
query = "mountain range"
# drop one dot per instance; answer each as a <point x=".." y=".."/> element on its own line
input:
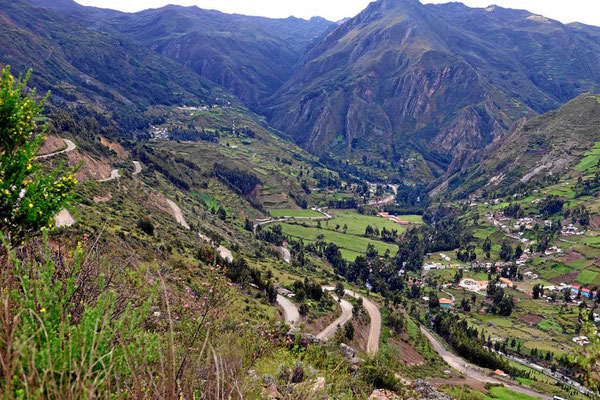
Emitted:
<point x="422" y="89"/>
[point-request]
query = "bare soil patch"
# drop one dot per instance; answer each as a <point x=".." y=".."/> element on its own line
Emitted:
<point x="570" y="277"/>
<point x="52" y="145"/>
<point x="316" y="325"/>
<point x="103" y="199"/>
<point x="410" y="357"/>
<point x="571" y="256"/>
<point x="116" y="147"/>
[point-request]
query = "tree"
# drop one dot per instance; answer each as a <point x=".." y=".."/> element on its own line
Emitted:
<point x="349" y="330"/>
<point x="537" y="291"/>
<point x="487" y="245"/>
<point x="371" y="251"/>
<point x="339" y="289"/>
<point x="434" y="301"/>
<point x="248" y="225"/>
<point x="518" y="251"/>
<point x="29" y="200"/>
<point x="271" y="292"/>
<point x="506" y="252"/>
<point x="146" y="226"/>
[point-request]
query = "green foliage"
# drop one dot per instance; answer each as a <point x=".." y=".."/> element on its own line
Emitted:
<point x="62" y="346"/>
<point x="28" y="199"/>
<point x="376" y="371"/>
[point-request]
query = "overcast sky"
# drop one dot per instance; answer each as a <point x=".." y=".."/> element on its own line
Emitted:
<point x="586" y="11"/>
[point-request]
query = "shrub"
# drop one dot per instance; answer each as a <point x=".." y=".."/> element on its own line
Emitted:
<point x="29" y="200"/>
<point x="146" y="226"/>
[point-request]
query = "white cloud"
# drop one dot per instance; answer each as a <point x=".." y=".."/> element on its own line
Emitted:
<point x="586" y="11"/>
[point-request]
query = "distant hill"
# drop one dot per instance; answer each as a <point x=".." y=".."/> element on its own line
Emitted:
<point x="441" y="80"/>
<point x="546" y="146"/>
<point x="250" y="56"/>
<point x="402" y="91"/>
<point x="104" y="72"/>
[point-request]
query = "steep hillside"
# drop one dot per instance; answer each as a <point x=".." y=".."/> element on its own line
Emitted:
<point x="548" y="146"/>
<point x="83" y="65"/>
<point x="439" y="79"/>
<point x="251" y="56"/>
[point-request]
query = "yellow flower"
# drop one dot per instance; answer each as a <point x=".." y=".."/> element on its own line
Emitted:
<point x="30" y="205"/>
<point x="43" y="310"/>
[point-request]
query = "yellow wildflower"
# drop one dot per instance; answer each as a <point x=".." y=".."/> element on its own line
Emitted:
<point x="43" y="310"/>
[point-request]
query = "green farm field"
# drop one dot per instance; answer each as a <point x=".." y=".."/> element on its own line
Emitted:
<point x="353" y="243"/>
<point x="357" y="223"/>
<point x="294" y="213"/>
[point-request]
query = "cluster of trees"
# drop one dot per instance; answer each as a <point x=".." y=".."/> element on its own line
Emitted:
<point x="412" y="199"/>
<point x="326" y="179"/>
<point x="273" y="235"/>
<point x="580" y="215"/>
<point x="192" y="134"/>
<point x="385" y="234"/>
<point x="551" y="205"/>
<point x="466" y="255"/>
<point x="175" y="169"/>
<point x="588" y="186"/>
<point x="507" y="253"/>
<point x="514" y="210"/>
<point x="502" y="304"/>
<point x="343" y="203"/>
<point x="239" y="180"/>
<point x="466" y="342"/>
<point x="238" y="271"/>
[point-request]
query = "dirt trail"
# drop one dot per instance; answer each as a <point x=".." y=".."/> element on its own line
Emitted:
<point x="114" y="174"/>
<point x="471" y="370"/>
<point x="178" y="214"/>
<point x="339" y="322"/>
<point x="70" y="147"/>
<point x="290" y="311"/>
<point x="285" y="253"/>
<point x="137" y="168"/>
<point x="271" y="220"/>
<point x="375" y="316"/>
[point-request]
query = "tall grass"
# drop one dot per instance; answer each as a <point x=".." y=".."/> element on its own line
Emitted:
<point x="66" y="333"/>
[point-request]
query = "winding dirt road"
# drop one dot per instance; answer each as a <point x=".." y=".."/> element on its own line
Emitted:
<point x="471" y="370"/>
<point x="375" y="316"/>
<point x="290" y="311"/>
<point x="114" y="174"/>
<point x="339" y="322"/>
<point x="70" y="147"/>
